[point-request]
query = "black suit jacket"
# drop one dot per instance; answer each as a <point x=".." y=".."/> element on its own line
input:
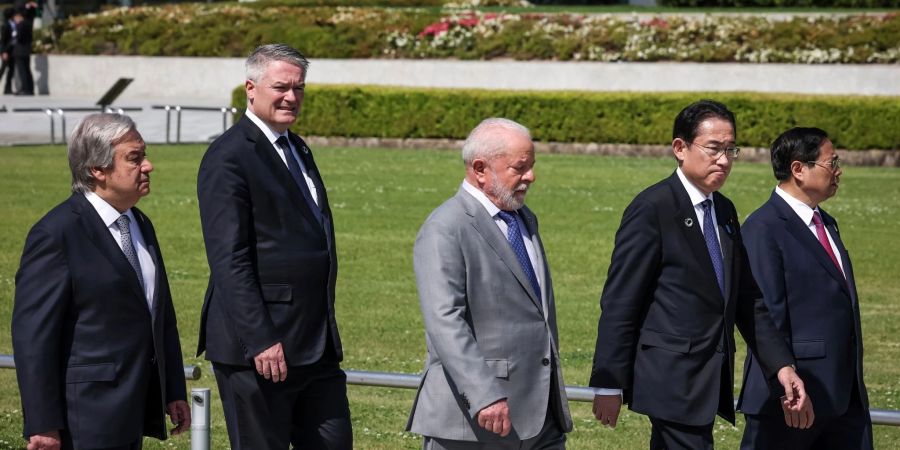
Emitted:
<point x="665" y="334"/>
<point x="812" y="304"/>
<point x="21" y="45"/>
<point x="88" y="349"/>
<point x="272" y="264"/>
<point x="5" y="37"/>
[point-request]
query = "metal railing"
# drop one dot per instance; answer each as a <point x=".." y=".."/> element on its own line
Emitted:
<point x="61" y="113"/>
<point x="225" y="110"/>
<point x="200" y="397"/>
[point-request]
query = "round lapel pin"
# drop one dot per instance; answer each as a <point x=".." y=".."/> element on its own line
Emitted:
<point x="688" y="222"/>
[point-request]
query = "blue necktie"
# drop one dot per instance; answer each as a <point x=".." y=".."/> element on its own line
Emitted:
<point x="514" y="236"/>
<point x="712" y="245"/>
<point x="297" y="174"/>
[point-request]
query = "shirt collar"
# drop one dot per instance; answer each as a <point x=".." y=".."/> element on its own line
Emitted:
<point x="802" y="209"/>
<point x="491" y="208"/>
<point x="271" y="135"/>
<point x="696" y="196"/>
<point x="107" y="213"/>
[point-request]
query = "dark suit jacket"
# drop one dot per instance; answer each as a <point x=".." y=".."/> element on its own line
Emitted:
<point x="812" y="304"/>
<point x="272" y="264"/>
<point x="21" y="45"/>
<point x="87" y="347"/>
<point x="666" y="335"/>
<point x="5" y="37"/>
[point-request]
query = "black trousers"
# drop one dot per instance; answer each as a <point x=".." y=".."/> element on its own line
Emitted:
<point x="849" y="431"/>
<point x="309" y="410"/>
<point x="10" y="66"/>
<point x="667" y="435"/>
<point x="23" y="74"/>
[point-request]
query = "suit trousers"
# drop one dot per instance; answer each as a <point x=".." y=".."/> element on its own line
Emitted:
<point x="23" y="74"/>
<point x="849" y="431"/>
<point x="10" y="65"/>
<point x="551" y="437"/>
<point x="309" y="410"/>
<point x="667" y="435"/>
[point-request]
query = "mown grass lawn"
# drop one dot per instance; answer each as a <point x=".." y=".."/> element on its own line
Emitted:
<point x="380" y="197"/>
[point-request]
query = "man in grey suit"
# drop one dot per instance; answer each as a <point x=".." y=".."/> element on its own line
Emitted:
<point x="492" y="377"/>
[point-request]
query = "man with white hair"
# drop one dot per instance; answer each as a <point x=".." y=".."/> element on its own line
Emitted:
<point x="268" y="323"/>
<point x="492" y="376"/>
<point x="98" y="358"/>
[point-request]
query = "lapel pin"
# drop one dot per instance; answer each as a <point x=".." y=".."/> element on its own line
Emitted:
<point x="305" y="150"/>
<point x="728" y="228"/>
<point x="688" y="222"/>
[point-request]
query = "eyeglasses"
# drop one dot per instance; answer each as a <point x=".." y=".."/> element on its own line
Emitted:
<point x="831" y="165"/>
<point x="730" y="152"/>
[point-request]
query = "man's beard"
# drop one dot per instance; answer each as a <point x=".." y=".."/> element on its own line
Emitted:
<point x="507" y="197"/>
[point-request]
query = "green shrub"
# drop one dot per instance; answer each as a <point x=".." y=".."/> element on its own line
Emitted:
<point x="342" y="32"/>
<point x="624" y="118"/>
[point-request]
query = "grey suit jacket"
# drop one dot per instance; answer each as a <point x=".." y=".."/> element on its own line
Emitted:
<point x="487" y="334"/>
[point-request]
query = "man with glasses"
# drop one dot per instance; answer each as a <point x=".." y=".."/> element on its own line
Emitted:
<point x="805" y="275"/>
<point x="678" y="283"/>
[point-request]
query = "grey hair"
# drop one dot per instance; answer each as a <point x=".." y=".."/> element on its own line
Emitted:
<point x="485" y="145"/>
<point x="93" y="145"/>
<point x="264" y="54"/>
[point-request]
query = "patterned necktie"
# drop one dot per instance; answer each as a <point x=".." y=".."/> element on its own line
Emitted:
<point x="297" y="174"/>
<point x="514" y="236"/>
<point x="823" y="239"/>
<point x="712" y="244"/>
<point x="128" y="247"/>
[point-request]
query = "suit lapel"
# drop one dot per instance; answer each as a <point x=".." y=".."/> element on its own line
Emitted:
<point x="849" y="281"/>
<point x="99" y="235"/>
<point x="276" y="166"/>
<point x="153" y="249"/>
<point x="801" y="232"/>
<point x="541" y="270"/>
<point x="686" y="220"/>
<point x="727" y="225"/>
<point x="490" y="232"/>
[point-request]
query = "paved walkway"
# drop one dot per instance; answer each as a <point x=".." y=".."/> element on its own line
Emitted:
<point x="18" y="128"/>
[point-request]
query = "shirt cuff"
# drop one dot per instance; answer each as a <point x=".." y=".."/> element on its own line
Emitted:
<point x="606" y="391"/>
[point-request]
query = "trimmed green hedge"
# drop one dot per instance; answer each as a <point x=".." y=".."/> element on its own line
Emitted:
<point x="626" y="118"/>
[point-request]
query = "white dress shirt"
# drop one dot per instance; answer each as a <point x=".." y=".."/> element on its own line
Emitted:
<point x="493" y="211"/>
<point x="806" y="216"/>
<point x="109" y="215"/>
<point x="272" y="136"/>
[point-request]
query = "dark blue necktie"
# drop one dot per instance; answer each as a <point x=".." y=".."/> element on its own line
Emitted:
<point x="297" y="174"/>
<point x="514" y="236"/>
<point x="712" y="244"/>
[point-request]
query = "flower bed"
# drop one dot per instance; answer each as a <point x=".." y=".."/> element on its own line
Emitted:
<point x="620" y="118"/>
<point x="344" y="32"/>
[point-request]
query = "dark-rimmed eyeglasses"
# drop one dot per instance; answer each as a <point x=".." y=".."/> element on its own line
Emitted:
<point x="832" y="165"/>
<point x="731" y="152"/>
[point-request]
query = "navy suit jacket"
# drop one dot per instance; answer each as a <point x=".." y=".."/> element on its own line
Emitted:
<point x="91" y="357"/>
<point x="812" y="304"/>
<point x="665" y="334"/>
<point x="273" y="265"/>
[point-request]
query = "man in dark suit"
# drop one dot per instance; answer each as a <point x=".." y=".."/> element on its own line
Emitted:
<point x="806" y="278"/>
<point x="268" y="322"/>
<point x="21" y="48"/>
<point x="96" y="346"/>
<point x="6" y="41"/>
<point x="678" y="283"/>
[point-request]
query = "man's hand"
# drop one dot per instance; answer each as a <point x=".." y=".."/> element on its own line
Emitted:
<point x="797" y="407"/>
<point x="495" y="418"/>
<point x="606" y="409"/>
<point x="270" y="363"/>
<point x="44" y="441"/>
<point x="180" y="414"/>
